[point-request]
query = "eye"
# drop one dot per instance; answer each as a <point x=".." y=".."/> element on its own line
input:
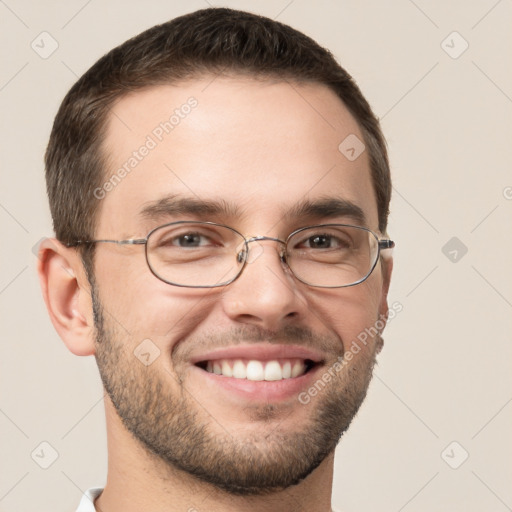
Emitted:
<point x="189" y="240"/>
<point x="197" y="239"/>
<point x="320" y="241"/>
<point x="325" y="241"/>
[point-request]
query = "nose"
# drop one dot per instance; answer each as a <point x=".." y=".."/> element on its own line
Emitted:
<point x="266" y="293"/>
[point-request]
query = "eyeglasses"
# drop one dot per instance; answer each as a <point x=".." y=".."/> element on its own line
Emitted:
<point x="207" y="255"/>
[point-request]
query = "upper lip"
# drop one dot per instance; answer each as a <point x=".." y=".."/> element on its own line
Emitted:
<point x="260" y="352"/>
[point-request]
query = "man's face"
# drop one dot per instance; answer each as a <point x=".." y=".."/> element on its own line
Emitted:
<point x="259" y="150"/>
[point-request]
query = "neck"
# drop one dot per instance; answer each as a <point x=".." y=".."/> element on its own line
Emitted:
<point x="138" y="481"/>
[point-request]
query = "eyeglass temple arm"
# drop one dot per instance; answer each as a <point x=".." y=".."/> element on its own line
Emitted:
<point x="386" y="244"/>
<point x="133" y="241"/>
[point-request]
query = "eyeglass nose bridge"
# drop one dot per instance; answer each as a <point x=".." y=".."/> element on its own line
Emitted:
<point x="243" y="255"/>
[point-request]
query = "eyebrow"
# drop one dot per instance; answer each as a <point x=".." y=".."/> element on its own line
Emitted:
<point x="323" y="208"/>
<point x="327" y="208"/>
<point x="179" y="205"/>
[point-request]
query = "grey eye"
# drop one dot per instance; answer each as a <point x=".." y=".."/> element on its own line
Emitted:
<point x="189" y="240"/>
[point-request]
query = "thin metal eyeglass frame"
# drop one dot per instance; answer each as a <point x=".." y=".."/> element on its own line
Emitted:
<point x="382" y="244"/>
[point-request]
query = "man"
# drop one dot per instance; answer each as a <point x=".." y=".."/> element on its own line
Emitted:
<point x="219" y="189"/>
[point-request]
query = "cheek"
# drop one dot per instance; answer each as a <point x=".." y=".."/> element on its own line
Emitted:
<point x="352" y="312"/>
<point x="143" y="305"/>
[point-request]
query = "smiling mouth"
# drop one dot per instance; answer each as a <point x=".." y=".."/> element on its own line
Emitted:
<point x="257" y="370"/>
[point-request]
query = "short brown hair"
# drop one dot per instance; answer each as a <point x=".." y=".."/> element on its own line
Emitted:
<point x="216" y="40"/>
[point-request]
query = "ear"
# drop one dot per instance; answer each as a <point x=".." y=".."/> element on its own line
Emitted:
<point x="387" y="270"/>
<point x="66" y="292"/>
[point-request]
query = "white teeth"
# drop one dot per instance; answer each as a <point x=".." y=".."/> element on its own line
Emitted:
<point x="239" y="371"/>
<point x="287" y="370"/>
<point x="257" y="370"/>
<point x="273" y="371"/>
<point x="226" y="369"/>
<point x="298" y="369"/>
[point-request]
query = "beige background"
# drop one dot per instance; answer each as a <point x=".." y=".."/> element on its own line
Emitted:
<point x="444" y="374"/>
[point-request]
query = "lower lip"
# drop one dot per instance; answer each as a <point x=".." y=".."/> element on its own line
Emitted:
<point x="262" y="390"/>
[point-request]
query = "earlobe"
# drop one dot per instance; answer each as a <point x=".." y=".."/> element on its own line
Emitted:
<point x="66" y="293"/>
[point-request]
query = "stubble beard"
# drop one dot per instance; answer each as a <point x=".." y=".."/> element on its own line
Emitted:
<point x="173" y="428"/>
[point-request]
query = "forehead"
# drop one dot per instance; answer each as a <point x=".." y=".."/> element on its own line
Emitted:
<point x="262" y="149"/>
